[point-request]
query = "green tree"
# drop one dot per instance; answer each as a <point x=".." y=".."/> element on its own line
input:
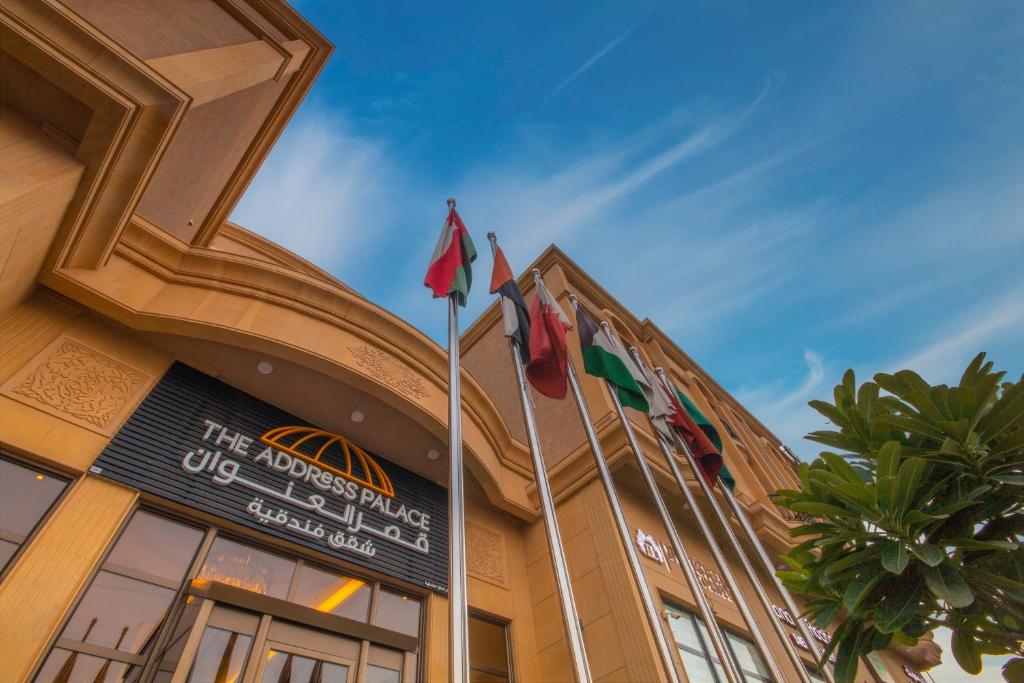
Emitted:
<point x="917" y="519"/>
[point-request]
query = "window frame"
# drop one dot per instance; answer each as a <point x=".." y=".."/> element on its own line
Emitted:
<point x="708" y="655"/>
<point x="150" y="654"/>
<point x="506" y="626"/>
<point x="69" y="483"/>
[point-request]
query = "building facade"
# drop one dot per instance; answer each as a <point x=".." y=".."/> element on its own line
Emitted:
<point x="220" y="463"/>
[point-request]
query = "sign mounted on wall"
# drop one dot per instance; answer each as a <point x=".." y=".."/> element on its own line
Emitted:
<point x="206" y="445"/>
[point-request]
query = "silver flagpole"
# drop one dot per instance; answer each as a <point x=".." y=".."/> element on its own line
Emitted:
<point x="458" y="664"/>
<point x="715" y="630"/>
<point x="759" y="548"/>
<point x="650" y="609"/>
<point x="716" y="552"/>
<point x="787" y="598"/>
<point x="570" y="618"/>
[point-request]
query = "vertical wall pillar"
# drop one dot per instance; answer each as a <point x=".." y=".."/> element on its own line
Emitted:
<point x="45" y="580"/>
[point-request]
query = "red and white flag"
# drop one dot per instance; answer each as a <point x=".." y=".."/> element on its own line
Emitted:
<point x="548" y="369"/>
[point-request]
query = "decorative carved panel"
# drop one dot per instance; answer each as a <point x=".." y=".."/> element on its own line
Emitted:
<point x="485" y="554"/>
<point x="390" y="371"/>
<point x="77" y="383"/>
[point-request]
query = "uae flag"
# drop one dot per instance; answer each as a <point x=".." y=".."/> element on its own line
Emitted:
<point x="548" y="370"/>
<point x="450" y="269"/>
<point x="601" y="359"/>
<point x="513" y="306"/>
<point x="709" y="458"/>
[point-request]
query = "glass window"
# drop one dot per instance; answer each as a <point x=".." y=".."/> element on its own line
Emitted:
<point x="26" y="495"/>
<point x="380" y="674"/>
<point x="168" y="560"/>
<point x="398" y="612"/>
<point x="126" y="602"/>
<point x="384" y="665"/>
<point x="699" y="659"/>
<point x="75" y="667"/>
<point x="246" y="567"/>
<point x="328" y="592"/>
<point x="285" y="666"/>
<point x="488" y="651"/>
<point x="119" y="612"/>
<point x="220" y="657"/>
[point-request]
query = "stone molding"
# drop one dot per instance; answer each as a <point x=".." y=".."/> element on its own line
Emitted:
<point x="485" y="555"/>
<point x="79" y="384"/>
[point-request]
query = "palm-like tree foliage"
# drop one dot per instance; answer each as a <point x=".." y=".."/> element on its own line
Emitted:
<point x="918" y="517"/>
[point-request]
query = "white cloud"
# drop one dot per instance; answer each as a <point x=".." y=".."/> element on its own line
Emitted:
<point x="322" y="192"/>
<point x="960" y="338"/>
<point x="600" y="54"/>
<point x="782" y="404"/>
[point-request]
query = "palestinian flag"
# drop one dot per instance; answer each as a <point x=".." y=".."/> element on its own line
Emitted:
<point x="513" y="306"/>
<point x="548" y="370"/>
<point x="601" y="359"/>
<point x="450" y="269"/>
<point x="709" y="458"/>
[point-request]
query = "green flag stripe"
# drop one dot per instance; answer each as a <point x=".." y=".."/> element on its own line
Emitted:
<point x="600" y="363"/>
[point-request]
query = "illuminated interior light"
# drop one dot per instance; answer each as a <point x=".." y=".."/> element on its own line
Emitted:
<point x="339" y="596"/>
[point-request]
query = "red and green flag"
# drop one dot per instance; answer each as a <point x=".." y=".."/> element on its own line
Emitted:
<point x="450" y="272"/>
<point x="602" y="359"/>
<point x="711" y="436"/>
<point x="548" y="369"/>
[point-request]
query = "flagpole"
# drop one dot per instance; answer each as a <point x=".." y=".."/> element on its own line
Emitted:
<point x="719" y="556"/>
<point x="458" y="664"/>
<point x="715" y="630"/>
<point x="570" y="617"/>
<point x="760" y="551"/>
<point x="650" y="609"/>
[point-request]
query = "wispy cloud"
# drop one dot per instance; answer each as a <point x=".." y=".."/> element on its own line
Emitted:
<point x="322" y="191"/>
<point x="600" y="54"/>
<point x="957" y="341"/>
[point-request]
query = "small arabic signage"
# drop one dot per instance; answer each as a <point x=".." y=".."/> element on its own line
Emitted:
<point x="710" y="580"/>
<point x="204" y="444"/>
<point x="784" y="615"/>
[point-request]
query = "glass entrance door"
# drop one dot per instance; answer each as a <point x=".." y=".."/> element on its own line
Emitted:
<point x="295" y="654"/>
<point x="220" y="643"/>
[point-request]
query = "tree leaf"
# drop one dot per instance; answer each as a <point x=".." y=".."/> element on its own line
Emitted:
<point x="966" y="651"/>
<point x="947" y="583"/>
<point x="848" y="658"/>
<point x="931" y="555"/>
<point x="858" y="589"/>
<point x="894" y="610"/>
<point x="894" y="557"/>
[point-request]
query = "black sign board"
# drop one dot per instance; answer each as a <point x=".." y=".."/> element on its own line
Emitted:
<point x="211" y="447"/>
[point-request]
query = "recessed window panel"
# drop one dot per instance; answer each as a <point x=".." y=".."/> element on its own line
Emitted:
<point x="398" y="612"/>
<point x="156" y="546"/>
<point x="243" y="566"/>
<point x="488" y="651"/>
<point x="333" y="593"/>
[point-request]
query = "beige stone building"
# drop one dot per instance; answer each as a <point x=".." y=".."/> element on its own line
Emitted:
<point x="220" y="463"/>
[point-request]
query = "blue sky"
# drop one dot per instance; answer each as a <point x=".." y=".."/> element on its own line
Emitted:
<point x="788" y="189"/>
